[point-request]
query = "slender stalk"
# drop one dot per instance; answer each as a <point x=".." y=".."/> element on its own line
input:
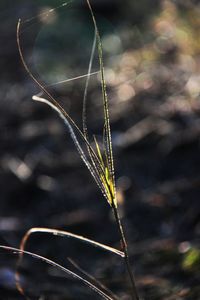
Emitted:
<point x="93" y="279"/>
<point x="134" y="293"/>
<point x="59" y="267"/>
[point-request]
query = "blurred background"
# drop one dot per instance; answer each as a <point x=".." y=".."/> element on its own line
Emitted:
<point x="152" y="67"/>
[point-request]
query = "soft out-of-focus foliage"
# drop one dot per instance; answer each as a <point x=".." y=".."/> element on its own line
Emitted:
<point x="191" y="260"/>
<point x="167" y="57"/>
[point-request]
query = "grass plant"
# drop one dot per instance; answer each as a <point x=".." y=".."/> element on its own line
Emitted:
<point x="99" y="162"/>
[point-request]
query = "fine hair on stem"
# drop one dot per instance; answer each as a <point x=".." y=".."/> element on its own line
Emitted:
<point x="98" y="159"/>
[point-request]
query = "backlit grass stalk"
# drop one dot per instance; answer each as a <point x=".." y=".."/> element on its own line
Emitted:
<point x="113" y="201"/>
<point x="135" y="295"/>
<point x="100" y="163"/>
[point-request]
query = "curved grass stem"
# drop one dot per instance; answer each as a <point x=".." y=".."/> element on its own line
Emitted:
<point x="100" y="166"/>
<point x="59" y="267"/>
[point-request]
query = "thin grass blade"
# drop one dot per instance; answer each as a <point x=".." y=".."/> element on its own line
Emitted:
<point x="109" y="151"/>
<point x="59" y="267"/>
<point x="68" y="234"/>
<point x="96" y="167"/>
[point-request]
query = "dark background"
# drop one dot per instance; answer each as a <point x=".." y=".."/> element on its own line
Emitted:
<point x="152" y="66"/>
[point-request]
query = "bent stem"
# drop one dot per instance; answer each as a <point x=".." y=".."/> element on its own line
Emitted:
<point x="65" y="234"/>
<point x="100" y="164"/>
<point x="134" y="293"/>
<point x="59" y="267"/>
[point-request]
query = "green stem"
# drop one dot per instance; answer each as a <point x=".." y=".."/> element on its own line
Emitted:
<point x="134" y="293"/>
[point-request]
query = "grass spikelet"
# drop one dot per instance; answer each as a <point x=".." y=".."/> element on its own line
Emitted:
<point x="100" y="163"/>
